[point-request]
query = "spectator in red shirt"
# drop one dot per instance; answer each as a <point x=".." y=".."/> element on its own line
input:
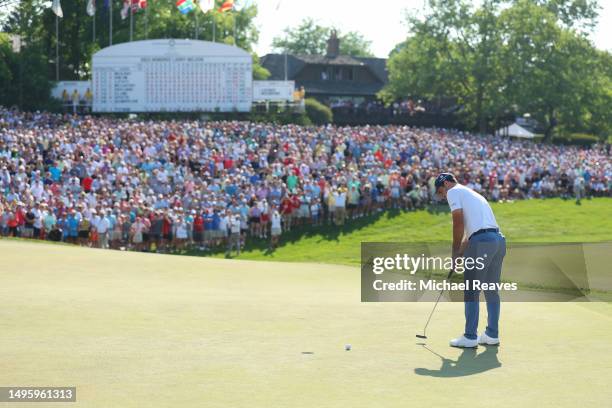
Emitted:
<point x="166" y="231"/>
<point x="20" y="216"/>
<point x="198" y="230"/>
<point x="379" y="155"/>
<point x="295" y="207"/>
<point x="12" y="224"/>
<point x="86" y="183"/>
<point x="286" y="212"/>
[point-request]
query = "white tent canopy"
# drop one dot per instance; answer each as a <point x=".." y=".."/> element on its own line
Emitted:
<point x="515" y="130"/>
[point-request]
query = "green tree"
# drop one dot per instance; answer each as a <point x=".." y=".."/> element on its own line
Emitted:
<point x="504" y="58"/>
<point x="355" y="44"/>
<point x="599" y="117"/>
<point x="36" y="21"/>
<point x="451" y="54"/>
<point x="580" y="15"/>
<point x="553" y="71"/>
<point x="23" y="76"/>
<point x="317" y="112"/>
<point x="259" y="72"/>
<point x="310" y="38"/>
<point x="7" y="62"/>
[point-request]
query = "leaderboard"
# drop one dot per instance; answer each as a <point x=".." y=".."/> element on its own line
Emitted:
<point x="172" y="83"/>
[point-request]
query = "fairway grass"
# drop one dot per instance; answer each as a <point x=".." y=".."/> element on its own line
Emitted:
<point x="538" y="221"/>
<point x="134" y="330"/>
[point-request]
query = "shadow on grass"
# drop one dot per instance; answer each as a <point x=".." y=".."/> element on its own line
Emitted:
<point x="326" y="233"/>
<point x="469" y="363"/>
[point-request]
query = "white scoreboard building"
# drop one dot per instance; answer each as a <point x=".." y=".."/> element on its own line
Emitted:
<point x="172" y="76"/>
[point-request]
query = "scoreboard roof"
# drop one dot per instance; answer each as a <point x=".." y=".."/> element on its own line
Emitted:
<point x="171" y="47"/>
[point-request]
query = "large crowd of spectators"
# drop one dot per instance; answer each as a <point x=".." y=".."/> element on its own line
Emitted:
<point x="170" y="185"/>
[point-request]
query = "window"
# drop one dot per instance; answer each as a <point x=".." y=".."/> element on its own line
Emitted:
<point x="348" y="73"/>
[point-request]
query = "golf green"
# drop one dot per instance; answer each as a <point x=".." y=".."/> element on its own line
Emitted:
<point x="142" y="330"/>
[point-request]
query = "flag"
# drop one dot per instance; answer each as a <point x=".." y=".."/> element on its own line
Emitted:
<point x="91" y="7"/>
<point x="135" y="5"/>
<point x="185" y="6"/>
<point x="106" y="4"/>
<point x="227" y="5"/>
<point x="125" y="10"/>
<point x="142" y="4"/>
<point x="57" y="8"/>
<point x="240" y="5"/>
<point x="206" y="5"/>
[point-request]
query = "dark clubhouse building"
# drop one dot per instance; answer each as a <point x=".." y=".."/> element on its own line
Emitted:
<point x="330" y="78"/>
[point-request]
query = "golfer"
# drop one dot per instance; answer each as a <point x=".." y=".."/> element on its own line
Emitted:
<point x="475" y="235"/>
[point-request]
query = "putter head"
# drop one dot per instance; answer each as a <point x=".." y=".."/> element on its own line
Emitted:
<point x="421" y="336"/>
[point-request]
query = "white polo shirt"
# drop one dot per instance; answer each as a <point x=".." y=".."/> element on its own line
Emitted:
<point x="235" y="225"/>
<point x="102" y="225"/>
<point x="276" y="220"/>
<point x="477" y="213"/>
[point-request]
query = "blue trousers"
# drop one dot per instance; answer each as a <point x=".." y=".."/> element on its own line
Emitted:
<point x="491" y="248"/>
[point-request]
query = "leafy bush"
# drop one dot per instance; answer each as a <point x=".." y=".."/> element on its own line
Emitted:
<point x="318" y="113"/>
<point x="581" y="139"/>
<point x="283" y="118"/>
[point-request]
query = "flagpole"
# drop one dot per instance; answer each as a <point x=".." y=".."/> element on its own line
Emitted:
<point x="214" y="26"/>
<point x="147" y="22"/>
<point x="131" y="22"/>
<point x="93" y="35"/>
<point x="56" y="47"/>
<point x="197" y="25"/>
<point x="234" y="28"/>
<point x="110" y="22"/>
<point x="286" y="50"/>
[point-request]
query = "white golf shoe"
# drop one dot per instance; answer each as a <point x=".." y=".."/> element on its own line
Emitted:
<point x="489" y="341"/>
<point x="464" y="342"/>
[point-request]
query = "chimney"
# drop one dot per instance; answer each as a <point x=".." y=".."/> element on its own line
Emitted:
<point x="333" y="45"/>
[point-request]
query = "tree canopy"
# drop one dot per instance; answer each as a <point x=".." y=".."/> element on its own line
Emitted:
<point x="23" y="76"/>
<point x="311" y="38"/>
<point x="507" y="57"/>
<point x="35" y="22"/>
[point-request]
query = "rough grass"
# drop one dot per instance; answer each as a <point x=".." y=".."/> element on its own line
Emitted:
<point x="551" y="220"/>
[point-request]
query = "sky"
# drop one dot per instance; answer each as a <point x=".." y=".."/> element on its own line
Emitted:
<point x="380" y="22"/>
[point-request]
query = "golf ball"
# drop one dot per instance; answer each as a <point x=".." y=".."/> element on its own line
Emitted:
<point x="347" y="347"/>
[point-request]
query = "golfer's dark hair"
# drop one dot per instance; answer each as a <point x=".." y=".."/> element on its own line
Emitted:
<point x="444" y="177"/>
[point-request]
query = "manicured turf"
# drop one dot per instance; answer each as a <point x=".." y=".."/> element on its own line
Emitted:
<point x="134" y="330"/>
<point x="552" y="220"/>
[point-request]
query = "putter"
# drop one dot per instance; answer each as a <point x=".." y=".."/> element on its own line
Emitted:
<point x="423" y="336"/>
